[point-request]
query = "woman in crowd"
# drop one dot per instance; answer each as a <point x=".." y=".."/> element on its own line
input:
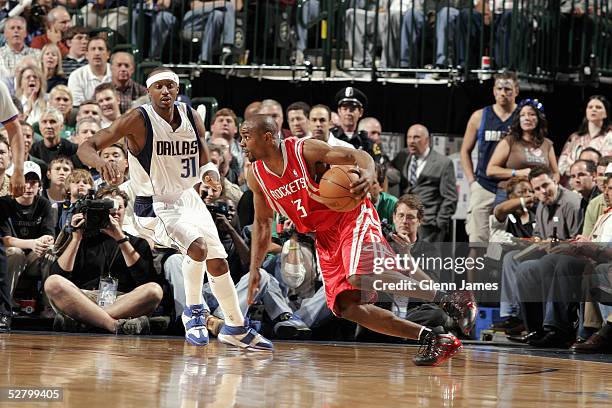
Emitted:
<point x="31" y="85"/>
<point x="51" y="65"/>
<point x="595" y="131"/>
<point x="61" y="99"/>
<point x="526" y="146"/>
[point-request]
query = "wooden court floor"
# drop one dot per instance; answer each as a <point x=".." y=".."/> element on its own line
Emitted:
<point x="109" y="371"/>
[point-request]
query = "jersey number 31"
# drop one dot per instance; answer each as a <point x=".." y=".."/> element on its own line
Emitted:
<point x="188" y="167"/>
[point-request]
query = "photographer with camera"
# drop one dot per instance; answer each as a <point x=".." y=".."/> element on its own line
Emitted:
<point x="99" y="248"/>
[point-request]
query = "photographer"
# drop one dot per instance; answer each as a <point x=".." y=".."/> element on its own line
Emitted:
<point x="76" y="274"/>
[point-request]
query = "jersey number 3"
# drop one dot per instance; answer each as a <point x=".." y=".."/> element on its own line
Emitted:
<point x="300" y="207"/>
<point x="188" y="167"/>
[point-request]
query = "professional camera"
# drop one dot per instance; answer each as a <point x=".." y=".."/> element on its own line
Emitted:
<point x="96" y="212"/>
<point x="220" y="208"/>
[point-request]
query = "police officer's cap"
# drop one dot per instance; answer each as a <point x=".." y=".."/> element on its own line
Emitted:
<point x="351" y="95"/>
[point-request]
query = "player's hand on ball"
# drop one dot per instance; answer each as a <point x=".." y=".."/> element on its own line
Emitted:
<point x="361" y="187"/>
<point x="254" y="278"/>
<point x="110" y="173"/>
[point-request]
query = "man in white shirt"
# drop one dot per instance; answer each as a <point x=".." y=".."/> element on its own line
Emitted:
<point x="320" y="123"/>
<point x="15" y="33"/>
<point x="84" y="80"/>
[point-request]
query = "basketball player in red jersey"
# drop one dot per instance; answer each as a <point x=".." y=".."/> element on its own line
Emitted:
<point x="284" y="178"/>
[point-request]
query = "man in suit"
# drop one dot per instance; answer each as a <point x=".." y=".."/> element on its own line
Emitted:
<point x="431" y="177"/>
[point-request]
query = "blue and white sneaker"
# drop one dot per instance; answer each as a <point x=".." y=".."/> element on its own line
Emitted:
<point x="244" y="337"/>
<point x="194" y="319"/>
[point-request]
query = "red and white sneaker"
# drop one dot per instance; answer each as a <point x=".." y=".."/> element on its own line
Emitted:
<point x="436" y="348"/>
<point x="462" y="308"/>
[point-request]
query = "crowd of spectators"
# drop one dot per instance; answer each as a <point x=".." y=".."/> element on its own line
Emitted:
<point x="67" y="86"/>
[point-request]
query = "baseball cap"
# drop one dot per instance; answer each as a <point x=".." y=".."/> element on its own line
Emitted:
<point x="28" y="167"/>
<point x="351" y="95"/>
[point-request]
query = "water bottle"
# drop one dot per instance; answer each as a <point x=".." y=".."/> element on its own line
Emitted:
<point x="107" y="291"/>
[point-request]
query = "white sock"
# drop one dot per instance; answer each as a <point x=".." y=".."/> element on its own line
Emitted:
<point x="225" y="292"/>
<point x="193" y="277"/>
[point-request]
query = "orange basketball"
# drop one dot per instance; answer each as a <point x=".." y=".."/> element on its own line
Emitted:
<point x="334" y="188"/>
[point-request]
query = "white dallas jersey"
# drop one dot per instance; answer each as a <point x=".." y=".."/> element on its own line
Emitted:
<point x="169" y="161"/>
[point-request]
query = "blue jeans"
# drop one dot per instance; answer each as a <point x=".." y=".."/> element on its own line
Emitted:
<point x="161" y="26"/>
<point x="214" y="24"/>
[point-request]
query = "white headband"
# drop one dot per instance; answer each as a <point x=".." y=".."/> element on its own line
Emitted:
<point x="163" y="76"/>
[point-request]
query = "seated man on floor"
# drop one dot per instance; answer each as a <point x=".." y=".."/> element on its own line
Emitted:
<point x="72" y="287"/>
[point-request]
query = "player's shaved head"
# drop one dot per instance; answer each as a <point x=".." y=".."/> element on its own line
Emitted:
<point x="260" y="124"/>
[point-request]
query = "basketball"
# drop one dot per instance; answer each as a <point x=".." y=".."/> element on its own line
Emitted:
<point x="334" y="188"/>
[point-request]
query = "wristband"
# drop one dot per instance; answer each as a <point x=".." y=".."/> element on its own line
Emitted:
<point x="513" y="172"/>
<point x="122" y="240"/>
<point x="209" y="167"/>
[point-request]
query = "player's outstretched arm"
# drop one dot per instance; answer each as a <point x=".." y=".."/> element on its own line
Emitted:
<point x="131" y="126"/>
<point x="318" y="151"/>
<point x="260" y="235"/>
<point x="17" y="150"/>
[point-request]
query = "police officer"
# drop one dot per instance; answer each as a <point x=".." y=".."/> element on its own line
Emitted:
<point x="351" y="103"/>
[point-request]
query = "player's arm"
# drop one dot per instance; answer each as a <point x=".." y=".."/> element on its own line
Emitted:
<point x="13" y="128"/>
<point x="131" y="126"/>
<point x="469" y="141"/>
<point x="209" y="173"/>
<point x="318" y="151"/>
<point x="260" y="234"/>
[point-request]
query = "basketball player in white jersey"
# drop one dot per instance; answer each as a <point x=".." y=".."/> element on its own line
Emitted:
<point x="166" y="160"/>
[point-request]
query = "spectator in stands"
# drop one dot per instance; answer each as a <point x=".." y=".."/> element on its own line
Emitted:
<point x="84" y="80"/>
<point x="411" y="33"/>
<point x="111" y="14"/>
<point x="310" y="11"/>
<point x="351" y="103"/>
<point x="15" y="33"/>
<point x="383" y="202"/>
<point x="511" y="219"/>
<point x="431" y="177"/>
<point x="480" y="16"/>
<point x="252" y="109"/>
<point x="85" y="128"/>
<point x="297" y="117"/>
<point x="595" y="131"/>
<point x="229" y="165"/>
<point x="274" y="109"/>
<point x="76" y="39"/>
<point x="108" y="100"/>
<point x="59" y="169"/>
<point x="597" y="205"/>
<point x="52" y="145"/>
<point x="29" y="231"/>
<point x="116" y="155"/>
<point x="122" y="69"/>
<point x="225" y="124"/>
<point x="559" y="214"/>
<point x="60" y="98"/>
<point x="591" y="154"/>
<point x="58" y="22"/>
<point x="486" y="127"/>
<point x="162" y="14"/>
<point x="28" y="137"/>
<point x="213" y="23"/>
<point x="364" y="23"/>
<point x="371" y="126"/>
<point x="112" y="252"/>
<point x="89" y="109"/>
<point x="5" y="162"/>
<point x="31" y="91"/>
<point x="230" y="190"/>
<point x="525" y="147"/>
<point x="77" y="185"/>
<point x="320" y="116"/>
<point x="582" y="181"/>
<point x="51" y="65"/>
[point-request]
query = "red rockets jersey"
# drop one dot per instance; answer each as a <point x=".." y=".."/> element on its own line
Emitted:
<point x="288" y="194"/>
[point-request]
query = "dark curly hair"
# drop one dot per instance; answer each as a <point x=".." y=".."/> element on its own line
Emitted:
<point x="539" y="133"/>
<point x="584" y="126"/>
